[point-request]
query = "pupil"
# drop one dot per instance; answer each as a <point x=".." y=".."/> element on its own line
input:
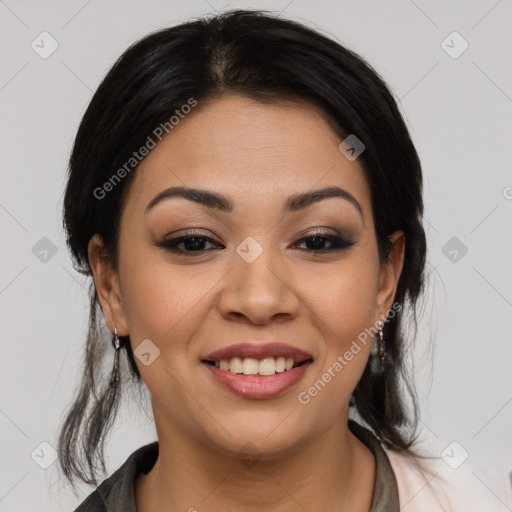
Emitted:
<point x="316" y="242"/>
<point x="194" y="243"/>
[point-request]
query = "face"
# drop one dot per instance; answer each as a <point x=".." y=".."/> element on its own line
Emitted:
<point x="302" y="273"/>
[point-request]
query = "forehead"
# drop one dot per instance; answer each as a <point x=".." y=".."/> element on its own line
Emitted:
<point x="244" y="147"/>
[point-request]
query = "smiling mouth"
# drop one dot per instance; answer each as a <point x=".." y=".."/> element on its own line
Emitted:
<point x="265" y="367"/>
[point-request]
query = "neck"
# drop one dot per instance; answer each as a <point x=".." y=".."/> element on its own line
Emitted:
<point x="334" y="472"/>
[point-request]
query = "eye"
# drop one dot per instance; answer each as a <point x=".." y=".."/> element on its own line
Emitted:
<point x="192" y="243"/>
<point x="317" y="241"/>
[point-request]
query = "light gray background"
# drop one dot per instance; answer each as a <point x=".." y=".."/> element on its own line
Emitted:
<point x="459" y="111"/>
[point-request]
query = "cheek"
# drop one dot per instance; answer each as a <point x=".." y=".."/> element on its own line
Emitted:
<point x="165" y="305"/>
<point x="345" y="302"/>
<point x="156" y="302"/>
<point x="346" y="299"/>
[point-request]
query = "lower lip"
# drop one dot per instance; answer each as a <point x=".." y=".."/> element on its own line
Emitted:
<point x="256" y="386"/>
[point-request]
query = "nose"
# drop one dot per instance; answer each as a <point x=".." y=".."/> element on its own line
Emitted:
<point x="260" y="291"/>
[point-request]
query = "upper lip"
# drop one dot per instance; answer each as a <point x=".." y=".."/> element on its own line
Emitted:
<point x="259" y="351"/>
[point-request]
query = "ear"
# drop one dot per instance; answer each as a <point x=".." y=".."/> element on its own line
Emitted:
<point x="389" y="275"/>
<point x="106" y="281"/>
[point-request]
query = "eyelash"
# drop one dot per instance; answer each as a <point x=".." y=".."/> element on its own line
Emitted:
<point x="339" y="243"/>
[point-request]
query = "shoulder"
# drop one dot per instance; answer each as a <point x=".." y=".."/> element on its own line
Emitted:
<point x="117" y="492"/>
<point x="93" y="503"/>
<point x="433" y="486"/>
<point x="98" y="500"/>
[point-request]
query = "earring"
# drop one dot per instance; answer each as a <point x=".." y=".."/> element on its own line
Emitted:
<point x="381" y="344"/>
<point x="117" y="346"/>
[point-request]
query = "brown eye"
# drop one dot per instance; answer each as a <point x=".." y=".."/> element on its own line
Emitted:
<point x="317" y="241"/>
<point x="191" y="244"/>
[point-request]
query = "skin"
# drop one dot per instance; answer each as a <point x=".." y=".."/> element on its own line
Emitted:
<point x="188" y="306"/>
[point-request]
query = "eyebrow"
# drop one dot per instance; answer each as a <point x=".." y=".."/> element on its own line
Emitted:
<point x="222" y="203"/>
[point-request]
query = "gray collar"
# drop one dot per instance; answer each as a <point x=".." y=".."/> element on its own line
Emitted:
<point x="385" y="492"/>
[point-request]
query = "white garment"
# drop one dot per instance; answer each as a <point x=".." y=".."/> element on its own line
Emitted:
<point x="447" y="489"/>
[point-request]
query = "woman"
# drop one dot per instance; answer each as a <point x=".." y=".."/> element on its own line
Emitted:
<point x="247" y="199"/>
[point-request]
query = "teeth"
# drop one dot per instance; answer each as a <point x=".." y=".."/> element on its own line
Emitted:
<point x="235" y="365"/>
<point x="251" y="366"/>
